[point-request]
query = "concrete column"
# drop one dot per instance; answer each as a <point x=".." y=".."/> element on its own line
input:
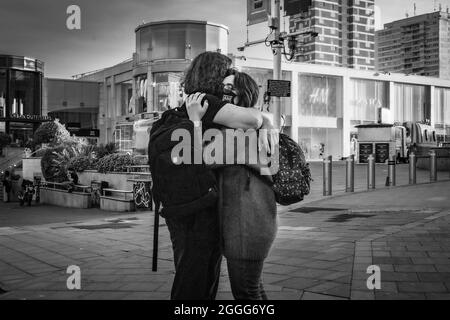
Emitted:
<point x="150" y="106"/>
<point x="113" y="105"/>
<point x="135" y="94"/>
<point x="346" y="112"/>
<point x="295" y="107"/>
<point x="391" y="102"/>
<point x="432" y="106"/>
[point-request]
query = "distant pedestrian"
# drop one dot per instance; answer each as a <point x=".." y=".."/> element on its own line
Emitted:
<point x="7" y="184"/>
<point x="72" y="179"/>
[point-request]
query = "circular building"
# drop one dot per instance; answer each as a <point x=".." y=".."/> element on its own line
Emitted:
<point x="20" y="97"/>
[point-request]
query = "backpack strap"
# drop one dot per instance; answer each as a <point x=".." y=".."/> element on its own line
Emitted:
<point x="155" y="235"/>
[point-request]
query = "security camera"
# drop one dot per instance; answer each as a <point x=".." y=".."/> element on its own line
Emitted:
<point x="241" y="48"/>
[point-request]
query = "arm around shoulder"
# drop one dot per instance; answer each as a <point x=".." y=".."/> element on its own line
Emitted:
<point x="238" y="117"/>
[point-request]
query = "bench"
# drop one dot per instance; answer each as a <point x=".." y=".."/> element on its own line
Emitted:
<point x="117" y="203"/>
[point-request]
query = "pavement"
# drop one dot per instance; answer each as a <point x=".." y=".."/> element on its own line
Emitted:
<point x="322" y="251"/>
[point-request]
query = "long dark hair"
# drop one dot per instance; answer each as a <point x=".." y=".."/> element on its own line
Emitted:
<point x="206" y="73"/>
<point x="248" y="90"/>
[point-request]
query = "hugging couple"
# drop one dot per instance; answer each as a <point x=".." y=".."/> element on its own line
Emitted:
<point x="243" y="224"/>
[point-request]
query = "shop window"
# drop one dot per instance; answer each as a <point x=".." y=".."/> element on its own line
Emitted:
<point x="257" y="4"/>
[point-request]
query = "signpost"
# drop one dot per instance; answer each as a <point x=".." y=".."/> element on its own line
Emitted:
<point x="279" y="88"/>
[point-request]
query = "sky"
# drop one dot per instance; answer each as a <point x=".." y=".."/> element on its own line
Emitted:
<point x="37" y="28"/>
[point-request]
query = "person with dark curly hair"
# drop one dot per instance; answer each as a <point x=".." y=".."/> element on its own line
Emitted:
<point x="247" y="208"/>
<point x="196" y="237"/>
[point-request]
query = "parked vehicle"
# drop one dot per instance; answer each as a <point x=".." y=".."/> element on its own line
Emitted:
<point x="383" y="140"/>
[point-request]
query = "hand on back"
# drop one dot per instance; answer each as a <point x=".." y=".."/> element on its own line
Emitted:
<point x="194" y="106"/>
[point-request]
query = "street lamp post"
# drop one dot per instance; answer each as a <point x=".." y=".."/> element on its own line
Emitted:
<point x="276" y="40"/>
<point x="276" y="109"/>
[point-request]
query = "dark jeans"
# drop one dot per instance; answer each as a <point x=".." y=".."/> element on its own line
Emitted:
<point x="197" y="255"/>
<point x="245" y="279"/>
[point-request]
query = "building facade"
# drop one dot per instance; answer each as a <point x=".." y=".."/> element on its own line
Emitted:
<point x="416" y="45"/>
<point x="75" y="103"/>
<point x="134" y="91"/>
<point x="346" y="32"/>
<point x="21" y="110"/>
<point x="327" y="103"/>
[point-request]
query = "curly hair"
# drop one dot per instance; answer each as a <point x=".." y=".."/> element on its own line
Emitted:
<point x="248" y="90"/>
<point x="206" y="72"/>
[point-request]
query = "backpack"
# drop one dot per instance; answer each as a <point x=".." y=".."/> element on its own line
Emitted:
<point x="292" y="181"/>
<point x="181" y="189"/>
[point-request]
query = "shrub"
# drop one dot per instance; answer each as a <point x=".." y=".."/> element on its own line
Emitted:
<point x="80" y="163"/>
<point x="54" y="164"/>
<point x="46" y="133"/>
<point x="55" y="133"/>
<point x="104" y="150"/>
<point x="115" y="163"/>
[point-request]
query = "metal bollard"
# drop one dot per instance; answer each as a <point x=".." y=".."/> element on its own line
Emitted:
<point x="433" y="166"/>
<point x="327" y="176"/>
<point x="391" y="171"/>
<point x="350" y="174"/>
<point x="412" y="168"/>
<point x="371" y="172"/>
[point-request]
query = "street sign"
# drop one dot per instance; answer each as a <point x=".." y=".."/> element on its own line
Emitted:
<point x="279" y="88"/>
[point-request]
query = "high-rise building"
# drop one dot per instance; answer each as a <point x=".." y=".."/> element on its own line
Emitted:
<point x="346" y="31"/>
<point x="416" y="45"/>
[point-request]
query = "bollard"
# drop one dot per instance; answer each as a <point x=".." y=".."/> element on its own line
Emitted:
<point x="350" y="174"/>
<point x="391" y="171"/>
<point x="371" y="172"/>
<point x="412" y="168"/>
<point x="433" y="166"/>
<point x="327" y="175"/>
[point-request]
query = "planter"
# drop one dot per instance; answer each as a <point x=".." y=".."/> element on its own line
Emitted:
<point x="116" y="180"/>
<point x="62" y="198"/>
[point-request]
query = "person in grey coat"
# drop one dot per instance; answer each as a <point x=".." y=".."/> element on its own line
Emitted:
<point x="246" y="206"/>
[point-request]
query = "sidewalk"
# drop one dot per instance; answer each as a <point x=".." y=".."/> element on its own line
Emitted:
<point x="322" y="251"/>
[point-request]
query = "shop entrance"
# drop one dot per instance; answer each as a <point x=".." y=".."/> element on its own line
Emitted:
<point x="21" y="133"/>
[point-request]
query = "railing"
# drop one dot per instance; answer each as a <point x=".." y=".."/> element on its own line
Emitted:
<point x="64" y="186"/>
<point x="391" y="178"/>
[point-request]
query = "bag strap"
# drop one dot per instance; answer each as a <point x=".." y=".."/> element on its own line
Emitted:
<point x="155" y="235"/>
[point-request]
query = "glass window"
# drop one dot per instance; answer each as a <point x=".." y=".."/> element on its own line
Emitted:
<point x="261" y="76"/>
<point x="319" y="143"/>
<point x="411" y="103"/>
<point x="167" y="91"/>
<point x="366" y="96"/>
<point x="195" y="40"/>
<point x="177" y="42"/>
<point x="2" y="93"/>
<point x="25" y="93"/>
<point x="320" y="96"/>
<point x="124" y="93"/>
<point x="160" y="43"/>
<point x="257" y="4"/>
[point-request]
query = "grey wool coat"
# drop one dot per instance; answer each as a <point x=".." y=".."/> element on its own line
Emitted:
<point x="247" y="211"/>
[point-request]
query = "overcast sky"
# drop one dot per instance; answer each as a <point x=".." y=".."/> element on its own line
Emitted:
<point x="37" y="28"/>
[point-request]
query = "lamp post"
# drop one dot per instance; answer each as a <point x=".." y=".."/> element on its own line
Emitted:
<point x="276" y="39"/>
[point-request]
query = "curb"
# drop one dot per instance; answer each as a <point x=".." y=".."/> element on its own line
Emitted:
<point x="340" y="195"/>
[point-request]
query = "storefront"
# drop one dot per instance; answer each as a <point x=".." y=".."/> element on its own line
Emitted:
<point x="20" y="97"/>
